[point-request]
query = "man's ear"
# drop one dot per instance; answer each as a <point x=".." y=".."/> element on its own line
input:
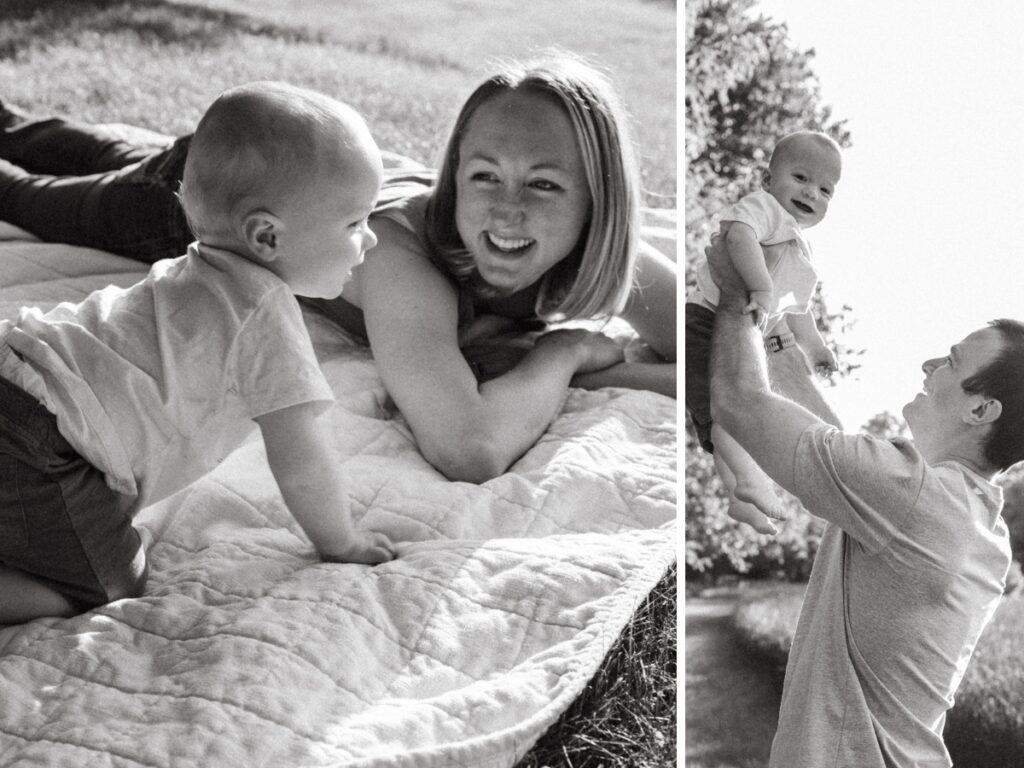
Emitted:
<point x="982" y="410"/>
<point x="262" y="232"/>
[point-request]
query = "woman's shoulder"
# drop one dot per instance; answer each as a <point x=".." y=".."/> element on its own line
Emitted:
<point x="404" y="198"/>
<point x="401" y="260"/>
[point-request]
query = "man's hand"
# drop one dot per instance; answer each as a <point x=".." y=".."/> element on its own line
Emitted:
<point x="822" y="360"/>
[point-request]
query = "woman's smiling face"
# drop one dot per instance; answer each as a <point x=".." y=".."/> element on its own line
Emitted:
<point x="522" y="199"/>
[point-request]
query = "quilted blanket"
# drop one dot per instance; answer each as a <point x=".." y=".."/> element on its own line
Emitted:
<point x="248" y="651"/>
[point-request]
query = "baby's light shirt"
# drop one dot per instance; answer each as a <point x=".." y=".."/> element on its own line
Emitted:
<point x="793" y="277"/>
<point x="155" y="384"/>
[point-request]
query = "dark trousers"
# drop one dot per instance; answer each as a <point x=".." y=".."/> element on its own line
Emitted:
<point x="88" y="185"/>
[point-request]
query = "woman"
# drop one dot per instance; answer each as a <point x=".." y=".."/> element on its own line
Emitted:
<point x="534" y="215"/>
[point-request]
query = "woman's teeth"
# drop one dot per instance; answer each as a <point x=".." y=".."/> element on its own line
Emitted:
<point x="508" y="243"/>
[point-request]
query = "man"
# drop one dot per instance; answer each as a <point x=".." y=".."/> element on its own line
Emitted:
<point x="913" y="561"/>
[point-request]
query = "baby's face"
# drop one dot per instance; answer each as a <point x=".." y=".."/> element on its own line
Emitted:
<point x="327" y="232"/>
<point x="804" y="180"/>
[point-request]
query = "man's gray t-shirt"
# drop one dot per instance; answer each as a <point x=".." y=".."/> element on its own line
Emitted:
<point x="909" y="570"/>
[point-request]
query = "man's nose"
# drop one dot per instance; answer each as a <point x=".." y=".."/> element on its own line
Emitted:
<point x="930" y="365"/>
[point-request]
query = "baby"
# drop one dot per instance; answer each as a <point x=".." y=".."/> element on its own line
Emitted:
<point x="763" y="235"/>
<point x="119" y="401"/>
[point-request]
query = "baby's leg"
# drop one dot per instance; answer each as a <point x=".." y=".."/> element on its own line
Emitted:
<point x="752" y="497"/>
<point x="742" y="511"/>
<point x="23" y="598"/>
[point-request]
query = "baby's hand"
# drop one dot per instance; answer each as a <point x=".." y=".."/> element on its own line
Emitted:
<point x="367" y="547"/>
<point x="759" y="303"/>
<point x="822" y="360"/>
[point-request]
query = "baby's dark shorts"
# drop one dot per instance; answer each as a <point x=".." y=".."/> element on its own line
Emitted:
<point x="59" y="521"/>
<point x="700" y="321"/>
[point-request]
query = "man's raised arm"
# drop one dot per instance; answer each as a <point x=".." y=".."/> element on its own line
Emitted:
<point x="765" y="424"/>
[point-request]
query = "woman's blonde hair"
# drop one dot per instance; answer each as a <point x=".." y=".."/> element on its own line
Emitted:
<point x="595" y="279"/>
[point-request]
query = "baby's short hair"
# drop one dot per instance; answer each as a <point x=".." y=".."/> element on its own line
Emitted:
<point x="790" y="142"/>
<point x="254" y="145"/>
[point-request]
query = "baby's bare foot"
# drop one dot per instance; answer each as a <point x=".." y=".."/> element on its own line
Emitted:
<point x="744" y="512"/>
<point x="763" y="497"/>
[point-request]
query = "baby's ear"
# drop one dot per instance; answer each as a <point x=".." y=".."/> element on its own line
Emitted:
<point x="766" y="178"/>
<point x="261" y="231"/>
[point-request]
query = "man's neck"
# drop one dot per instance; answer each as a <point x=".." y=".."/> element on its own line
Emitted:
<point x="969" y="457"/>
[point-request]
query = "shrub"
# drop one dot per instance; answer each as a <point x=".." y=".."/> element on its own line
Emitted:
<point x="766" y="621"/>
<point x="1013" y="508"/>
<point x="985" y="729"/>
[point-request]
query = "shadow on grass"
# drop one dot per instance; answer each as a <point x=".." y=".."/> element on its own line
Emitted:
<point x="27" y="23"/>
<point x="154" y="21"/>
<point x="732" y="698"/>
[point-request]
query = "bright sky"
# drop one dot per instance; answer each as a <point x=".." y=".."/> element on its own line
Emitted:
<point x="924" y="238"/>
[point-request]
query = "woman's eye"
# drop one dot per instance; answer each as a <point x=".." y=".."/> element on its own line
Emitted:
<point x="544" y="185"/>
<point x="484" y="176"/>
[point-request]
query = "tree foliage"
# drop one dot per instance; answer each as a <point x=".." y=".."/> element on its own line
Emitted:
<point x="746" y="87"/>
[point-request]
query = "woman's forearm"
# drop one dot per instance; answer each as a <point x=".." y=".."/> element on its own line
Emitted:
<point x="656" y="377"/>
<point x="517" y="408"/>
<point x="481" y="435"/>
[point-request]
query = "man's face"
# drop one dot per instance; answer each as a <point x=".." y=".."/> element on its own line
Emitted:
<point x="942" y="401"/>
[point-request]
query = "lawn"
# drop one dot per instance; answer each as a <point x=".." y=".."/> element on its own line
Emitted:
<point x="407" y="67"/>
<point x="732" y="695"/>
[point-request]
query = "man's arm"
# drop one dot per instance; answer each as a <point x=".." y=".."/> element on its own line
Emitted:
<point x="766" y="425"/>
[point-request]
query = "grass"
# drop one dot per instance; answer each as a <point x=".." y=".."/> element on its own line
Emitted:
<point x="732" y="696"/>
<point x="626" y="717"/>
<point x="766" y="620"/>
<point x="407" y="67"/>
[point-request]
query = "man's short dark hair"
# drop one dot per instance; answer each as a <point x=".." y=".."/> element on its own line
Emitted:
<point x="1003" y="380"/>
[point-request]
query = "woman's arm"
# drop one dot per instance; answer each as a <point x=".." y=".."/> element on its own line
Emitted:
<point x="651" y="310"/>
<point x="469" y="432"/>
<point x="298" y="451"/>
<point x="655" y="377"/>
